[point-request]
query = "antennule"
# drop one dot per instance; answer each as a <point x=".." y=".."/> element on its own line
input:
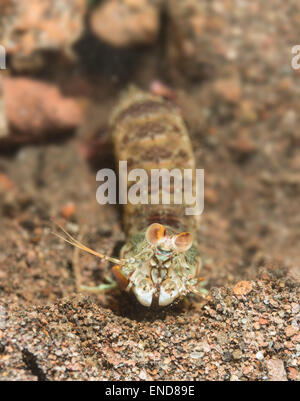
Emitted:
<point x="72" y="241"/>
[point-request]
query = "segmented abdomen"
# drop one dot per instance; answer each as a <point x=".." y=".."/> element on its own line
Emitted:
<point x="149" y="133"/>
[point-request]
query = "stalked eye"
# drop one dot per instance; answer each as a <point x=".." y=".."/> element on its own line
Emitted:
<point x="183" y="241"/>
<point x="155" y="233"/>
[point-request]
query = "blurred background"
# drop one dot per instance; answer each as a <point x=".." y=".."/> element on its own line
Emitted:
<point x="226" y="63"/>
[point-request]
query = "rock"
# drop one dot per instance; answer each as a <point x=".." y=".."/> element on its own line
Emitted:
<point x="68" y="210"/>
<point x="30" y="28"/>
<point x="5" y="182"/>
<point x="242" y="147"/>
<point x="263" y="321"/>
<point x="276" y="370"/>
<point x="123" y="23"/>
<point x="229" y="89"/>
<point x="242" y="288"/>
<point x="293" y="374"/>
<point x="291" y="330"/>
<point x="33" y="108"/>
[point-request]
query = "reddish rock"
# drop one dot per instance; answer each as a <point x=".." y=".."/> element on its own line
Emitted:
<point x="68" y="210"/>
<point x="29" y="27"/>
<point x="276" y="370"/>
<point x="127" y="22"/>
<point x="33" y="107"/>
<point x="291" y="330"/>
<point x="229" y="89"/>
<point x="293" y="374"/>
<point x="6" y="182"/>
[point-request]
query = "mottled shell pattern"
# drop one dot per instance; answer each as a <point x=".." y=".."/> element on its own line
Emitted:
<point x="160" y="261"/>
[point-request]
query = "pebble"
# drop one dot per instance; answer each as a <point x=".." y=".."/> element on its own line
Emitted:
<point x="32" y="28"/>
<point x="259" y="355"/>
<point x="46" y="109"/>
<point x="68" y="210"/>
<point x="237" y="354"/>
<point x="242" y="288"/>
<point x="291" y="330"/>
<point x="276" y="370"/>
<point x="126" y="23"/>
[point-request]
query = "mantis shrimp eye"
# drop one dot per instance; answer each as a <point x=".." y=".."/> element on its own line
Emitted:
<point x="183" y="241"/>
<point x="155" y="234"/>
